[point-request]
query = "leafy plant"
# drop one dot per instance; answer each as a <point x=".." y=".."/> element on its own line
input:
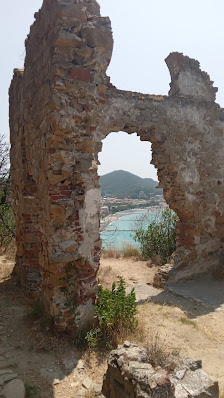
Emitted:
<point x="69" y="290"/>
<point x="115" y="313"/>
<point x="159" y="237"/>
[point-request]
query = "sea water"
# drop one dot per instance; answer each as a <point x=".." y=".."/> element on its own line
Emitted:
<point x="122" y="231"/>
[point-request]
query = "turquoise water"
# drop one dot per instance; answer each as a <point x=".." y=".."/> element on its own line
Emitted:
<point x="122" y="231"/>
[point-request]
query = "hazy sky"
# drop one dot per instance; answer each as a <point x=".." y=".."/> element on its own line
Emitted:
<point x="145" y="32"/>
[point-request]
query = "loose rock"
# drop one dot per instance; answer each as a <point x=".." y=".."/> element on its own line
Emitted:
<point x="14" y="389"/>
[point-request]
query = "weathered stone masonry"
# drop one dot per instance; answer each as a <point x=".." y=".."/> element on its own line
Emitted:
<point x="62" y="106"/>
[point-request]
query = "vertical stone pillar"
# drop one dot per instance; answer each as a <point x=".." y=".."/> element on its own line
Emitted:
<point x="194" y="176"/>
<point x="64" y="85"/>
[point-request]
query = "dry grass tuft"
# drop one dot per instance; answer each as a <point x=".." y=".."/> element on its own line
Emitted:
<point x="130" y="251"/>
<point x="111" y="253"/>
<point x="49" y="342"/>
<point x="161" y="355"/>
<point x="159" y="352"/>
<point x="127" y="250"/>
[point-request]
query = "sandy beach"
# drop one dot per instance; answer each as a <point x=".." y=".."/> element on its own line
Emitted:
<point x="106" y="221"/>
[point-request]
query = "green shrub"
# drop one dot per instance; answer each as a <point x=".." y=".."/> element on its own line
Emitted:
<point x="159" y="238"/>
<point x="115" y="313"/>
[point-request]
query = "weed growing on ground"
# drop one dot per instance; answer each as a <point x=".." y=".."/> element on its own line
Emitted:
<point x="31" y="390"/>
<point x="115" y="314"/>
<point x="69" y="290"/>
<point x="187" y="321"/>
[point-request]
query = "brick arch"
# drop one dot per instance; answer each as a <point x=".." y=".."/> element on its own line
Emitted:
<point x="61" y="107"/>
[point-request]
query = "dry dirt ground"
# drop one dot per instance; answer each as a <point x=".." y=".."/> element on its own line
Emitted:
<point x="51" y="366"/>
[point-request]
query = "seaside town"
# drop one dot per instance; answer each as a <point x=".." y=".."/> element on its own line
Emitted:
<point x="111" y="205"/>
<point x="113" y="208"/>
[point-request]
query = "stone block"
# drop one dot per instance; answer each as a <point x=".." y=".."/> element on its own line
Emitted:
<point x="14" y="389"/>
<point x="68" y="39"/>
<point x="74" y="11"/>
<point x="96" y="37"/>
<point x="135" y="379"/>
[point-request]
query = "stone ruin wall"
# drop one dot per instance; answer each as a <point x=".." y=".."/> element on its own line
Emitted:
<point x="130" y="374"/>
<point x="62" y="106"/>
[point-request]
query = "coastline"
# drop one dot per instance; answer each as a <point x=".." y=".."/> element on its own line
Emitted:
<point x="106" y="221"/>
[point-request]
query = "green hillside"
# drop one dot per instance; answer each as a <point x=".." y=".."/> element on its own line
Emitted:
<point x="123" y="184"/>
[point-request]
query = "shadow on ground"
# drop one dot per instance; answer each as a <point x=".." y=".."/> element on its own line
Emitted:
<point x="206" y="295"/>
<point x="52" y="365"/>
<point x="49" y="365"/>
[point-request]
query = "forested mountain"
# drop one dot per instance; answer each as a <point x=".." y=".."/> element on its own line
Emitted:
<point x="122" y="184"/>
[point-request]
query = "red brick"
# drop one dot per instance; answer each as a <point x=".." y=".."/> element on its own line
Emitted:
<point x="66" y="193"/>
<point x="79" y="74"/>
<point x="55" y="197"/>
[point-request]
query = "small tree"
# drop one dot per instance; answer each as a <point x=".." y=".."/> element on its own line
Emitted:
<point x="6" y="213"/>
<point x="159" y="237"/>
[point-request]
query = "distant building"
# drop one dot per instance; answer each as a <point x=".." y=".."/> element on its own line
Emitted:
<point x="104" y="211"/>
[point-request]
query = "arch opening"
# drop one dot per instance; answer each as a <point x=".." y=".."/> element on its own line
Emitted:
<point x="129" y="195"/>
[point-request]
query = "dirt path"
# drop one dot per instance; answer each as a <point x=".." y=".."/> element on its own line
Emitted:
<point x="54" y="368"/>
<point x="131" y="270"/>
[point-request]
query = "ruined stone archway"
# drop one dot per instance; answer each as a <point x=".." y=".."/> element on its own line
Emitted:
<point x="61" y="107"/>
